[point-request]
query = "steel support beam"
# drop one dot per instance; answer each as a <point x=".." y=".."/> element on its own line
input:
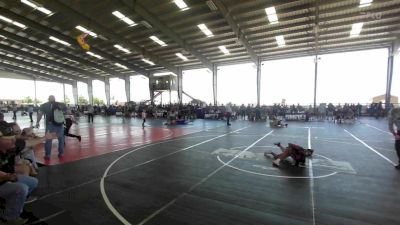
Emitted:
<point x="41" y="68"/>
<point x="90" y="90"/>
<point x="151" y="18"/>
<point x="238" y="32"/>
<point x="75" y="91"/>
<point x="180" y="90"/>
<point x="59" y="53"/>
<point x="16" y="69"/>
<point x="389" y="76"/>
<point x="29" y="55"/>
<point x="107" y="90"/>
<point x="128" y="88"/>
<point x="258" y="64"/>
<point x="214" y="76"/>
<point x="48" y="31"/>
<point x="100" y="29"/>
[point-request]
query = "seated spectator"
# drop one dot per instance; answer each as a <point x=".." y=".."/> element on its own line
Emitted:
<point x="13" y="188"/>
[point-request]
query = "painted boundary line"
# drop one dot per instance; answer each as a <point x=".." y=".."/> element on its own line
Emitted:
<point x="384" y="131"/>
<point x="102" y="186"/>
<point x="200" y="182"/>
<point x="311" y="174"/>
<point x="370" y="148"/>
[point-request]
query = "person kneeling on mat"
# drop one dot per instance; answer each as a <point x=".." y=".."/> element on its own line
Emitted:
<point x="297" y="152"/>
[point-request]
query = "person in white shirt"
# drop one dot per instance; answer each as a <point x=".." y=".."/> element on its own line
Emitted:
<point x="144" y="114"/>
<point x="228" y="113"/>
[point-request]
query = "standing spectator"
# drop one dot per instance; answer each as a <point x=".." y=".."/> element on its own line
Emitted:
<point x="30" y="111"/>
<point x="2" y="118"/>
<point x="15" y="109"/>
<point x="394" y="120"/>
<point x="69" y="120"/>
<point x="53" y="113"/>
<point x="144" y="117"/>
<point x="90" y="113"/>
<point x="228" y="113"/>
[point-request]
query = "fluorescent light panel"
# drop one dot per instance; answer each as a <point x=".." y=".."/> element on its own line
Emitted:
<point x="365" y="3"/>
<point x="36" y="6"/>
<point x="122" y="66"/>
<point x="124" y="18"/>
<point x="158" y="41"/>
<point x="148" y="62"/>
<point x="280" y="40"/>
<point x="122" y="48"/>
<point x="15" y="23"/>
<point x="181" y="56"/>
<point x="79" y="27"/>
<point x="224" y="50"/>
<point x="181" y="4"/>
<point x="271" y="15"/>
<point x="59" y="41"/>
<point x="205" y="30"/>
<point x="356" y="29"/>
<point x="94" y="55"/>
<point x="163" y="74"/>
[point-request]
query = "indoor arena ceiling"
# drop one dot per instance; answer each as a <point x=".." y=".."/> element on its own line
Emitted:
<point x="129" y="37"/>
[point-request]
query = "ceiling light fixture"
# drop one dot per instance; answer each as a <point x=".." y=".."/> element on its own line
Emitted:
<point x="15" y="23"/>
<point x="365" y="3"/>
<point x="122" y="66"/>
<point x="280" y="40"/>
<point x="205" y="30"/>
<point x="59" y="41"/>
<point x="94" y="55"/>
<point x="224" y="50"/>
<point x="180" y="55"/>
<point x="79" y="27"/>
<point x="158" y="41"/>
<point x="181" y="4"/>
<point x="356" y="29"/>
<point x="124" y="18"/>
<point x="271" y="14"/>
<point x="122" y="48"/>
<point x="36" y="6"/>
<point x="148" y="62"/>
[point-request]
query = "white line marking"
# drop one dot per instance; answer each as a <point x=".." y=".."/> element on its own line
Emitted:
<point x="369" y="147"/>
<point x="48" y="217"/>
<point x="200" y="182"/>
<point x="311" y="174"/>
<point x="384" y="131"/>
<point x="278" y="176"/>
<point x="102" y="187"/>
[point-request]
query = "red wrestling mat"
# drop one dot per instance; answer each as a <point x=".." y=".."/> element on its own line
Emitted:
<point x="101" y="140"/>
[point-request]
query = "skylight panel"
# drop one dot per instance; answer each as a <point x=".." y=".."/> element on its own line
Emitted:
<point x="148" y="62"/>
<point x="158" y="41"/>
<point x="271" y="15"/>
<point x="224" y="50"/>
<point x="15" y="23"/>
<point x="122" y="66"/>
<point x="124" y="18"/>
<point x="356" y="29"/>
<point x="79" y="27"/>
<point x="205" y="30"/>
<point x="94" y="55"/>
<point x="59" y="41"/>
<point x="181" y="4"/>
<point x="36" y="6"/>
<point x="280" y="40"/>
<point x="180" y="55"/>
<point x="365" y="3"/>
<point x="122" y="48"/>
